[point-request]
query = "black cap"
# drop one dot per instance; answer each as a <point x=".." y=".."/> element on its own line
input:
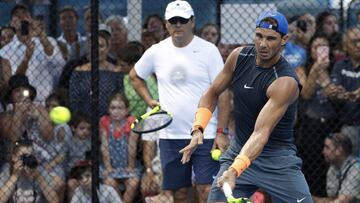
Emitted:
<point x="20" y="81"/>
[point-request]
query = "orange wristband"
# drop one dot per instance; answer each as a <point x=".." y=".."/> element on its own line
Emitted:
<point x="240" y="163"/>
<point x="202" y="118"/>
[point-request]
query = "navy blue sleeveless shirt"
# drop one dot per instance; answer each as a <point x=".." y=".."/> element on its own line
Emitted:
<point x="249" y="85"/>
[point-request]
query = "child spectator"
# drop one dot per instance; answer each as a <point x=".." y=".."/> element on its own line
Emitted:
<point x="106" y="194"/>
<point x="118" y="147"/>
<point x="80" y="144"/>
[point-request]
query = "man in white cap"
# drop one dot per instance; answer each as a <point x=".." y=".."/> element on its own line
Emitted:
<point x="185" y="66"/>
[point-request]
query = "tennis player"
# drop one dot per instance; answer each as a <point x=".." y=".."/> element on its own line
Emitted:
<point x="265" y="89"/>
<point x="185" y="66"/>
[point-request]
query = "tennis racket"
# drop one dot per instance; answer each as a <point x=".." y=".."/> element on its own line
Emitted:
<point x="229" y="195"/>
<point x="152" y="121"/>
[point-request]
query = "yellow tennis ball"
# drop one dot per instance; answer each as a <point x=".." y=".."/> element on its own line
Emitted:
<point x="215" y="154"/>
<point x="60" y="115"/>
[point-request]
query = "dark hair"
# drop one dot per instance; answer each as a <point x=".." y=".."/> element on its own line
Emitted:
<point x="67" y="8"/>
<point x="22" y="142"/>
<point x="211" y="25"/>
<point x="59" y="96"/>
<point x="79" y="117"/>
<point x="153" y="16"/>
<point x="105" y="36"/>
<point x="19" y="6"/>
<point x="310" y="61"/>
<point x="321" y="18"/>
<point x="341" y="140"/>
<point x="131" y="52"/>
<point x="8" y="27"/>
<point x="79" y="168"/>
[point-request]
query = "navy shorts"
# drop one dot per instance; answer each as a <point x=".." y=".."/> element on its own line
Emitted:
<point x="177" y="175"/>
<point x="280" y="176"/>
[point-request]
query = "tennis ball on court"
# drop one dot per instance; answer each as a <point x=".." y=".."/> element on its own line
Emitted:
<point x="215" y="154"/>
<point x="60" y="115"/>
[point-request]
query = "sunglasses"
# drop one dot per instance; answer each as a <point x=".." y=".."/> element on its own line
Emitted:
<point x="175" y="20"/>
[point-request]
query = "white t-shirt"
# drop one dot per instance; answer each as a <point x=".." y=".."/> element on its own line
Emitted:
<point x="183" y="75"/>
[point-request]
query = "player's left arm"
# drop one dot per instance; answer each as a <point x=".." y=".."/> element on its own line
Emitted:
<point x="281" y="93"/>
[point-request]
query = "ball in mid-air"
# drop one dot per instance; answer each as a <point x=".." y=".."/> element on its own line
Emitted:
<point x="60" y="115"/>
<point x="215" y="154"/>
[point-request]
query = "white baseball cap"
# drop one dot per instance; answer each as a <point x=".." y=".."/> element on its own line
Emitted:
<point x="178" y="9"/>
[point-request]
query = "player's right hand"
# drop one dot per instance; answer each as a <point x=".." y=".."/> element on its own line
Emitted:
<point x="153" y="103"/>
<point x="228" y="176"/>
<point x="197" y="139"/>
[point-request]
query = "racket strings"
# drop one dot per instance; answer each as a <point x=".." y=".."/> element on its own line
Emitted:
<point x="154" y="121"/>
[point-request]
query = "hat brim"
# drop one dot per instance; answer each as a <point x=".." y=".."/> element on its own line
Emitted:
<point x="178" y="14"/>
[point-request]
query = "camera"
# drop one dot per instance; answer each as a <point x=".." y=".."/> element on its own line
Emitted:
<point x="25" y="28"/>
<point x="29" y="160"/>
<point x="302" y="25"/>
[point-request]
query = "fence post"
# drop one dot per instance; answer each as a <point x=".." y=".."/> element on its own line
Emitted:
<point x="95" y="98"/>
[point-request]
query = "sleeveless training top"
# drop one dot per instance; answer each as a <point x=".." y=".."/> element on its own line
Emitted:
<point x="249" y="85"/>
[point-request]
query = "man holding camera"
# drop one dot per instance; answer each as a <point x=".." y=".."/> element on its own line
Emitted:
<point x="33" y="53"/>
<point x="21" y="181"/>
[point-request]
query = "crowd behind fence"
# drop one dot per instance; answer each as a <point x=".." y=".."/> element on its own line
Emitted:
<point x="46" y="61"/>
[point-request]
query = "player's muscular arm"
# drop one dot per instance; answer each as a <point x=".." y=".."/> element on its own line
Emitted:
<point x="221" y="82"/>
<point x="281" y="93"/>
<point x="141" y="88"/>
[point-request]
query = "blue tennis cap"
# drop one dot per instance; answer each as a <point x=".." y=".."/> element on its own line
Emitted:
<point x="282" y="23"/>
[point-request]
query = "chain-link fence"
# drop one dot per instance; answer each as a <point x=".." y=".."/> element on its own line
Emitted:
<point x="78" y="54"/>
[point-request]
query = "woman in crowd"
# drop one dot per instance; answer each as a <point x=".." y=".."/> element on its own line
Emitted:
<point x="110" y="80"/>
<point x="318" y="116"/>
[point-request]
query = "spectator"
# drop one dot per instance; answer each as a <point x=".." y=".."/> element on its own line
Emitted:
<point x="343" y="176"/>
<point x="327" y="22"/>
<point x="5" y="74"/>
<point x="295" y="49"/>
<point x="318" y="116"/>
<point x="127" y="57"/>
<point x="32" y="53"/>
<point x="21" y="179"/>
<point x="118" y="34"/>
<point x="310" y="21"/>
<point x="118" y="148"/>
<point x="79" y="146"/>
<point x="19" y="13"/>
<point x="6" y="35"/>
<point x="345" y="87"/>
<point x="155" y="23"/>
<point x="177" y="61"/>
<point x="211" y="33"/>
<point x="84" y="59"/>
<point x="70" y="41"/>
<point x="110" y="80"/>
<point x="24" y="114"/>
<point x="106" y="194"/>
<point x="149" y="38"/>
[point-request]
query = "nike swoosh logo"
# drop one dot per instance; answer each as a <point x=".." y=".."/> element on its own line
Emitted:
<point x="300" y="200"/>
<point x="248" y="87"/>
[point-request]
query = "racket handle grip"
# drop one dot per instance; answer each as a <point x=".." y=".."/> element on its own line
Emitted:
<point x="227" y="189"/>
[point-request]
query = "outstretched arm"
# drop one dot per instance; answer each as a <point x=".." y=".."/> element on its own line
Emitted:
<point x="281" y="93"/>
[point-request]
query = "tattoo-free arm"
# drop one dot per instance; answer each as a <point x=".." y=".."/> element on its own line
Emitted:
<point x="281" y="93"/>
<point x="141" y="87"/>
